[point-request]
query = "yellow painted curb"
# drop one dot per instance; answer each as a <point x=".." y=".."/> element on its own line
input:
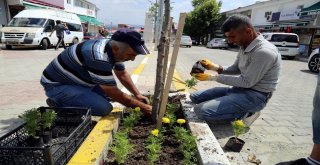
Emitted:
<point x="178" y="85"/>
<point x="141" y="66"/>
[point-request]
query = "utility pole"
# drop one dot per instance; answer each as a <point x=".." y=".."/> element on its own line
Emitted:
<point x="159" y="24"/>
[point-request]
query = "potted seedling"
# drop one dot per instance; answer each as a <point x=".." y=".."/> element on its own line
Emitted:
<point x="234" y="143"/>
<point x="47" y="119"/>
<point x="32" y="117"/>
<point x="191" y="82"/>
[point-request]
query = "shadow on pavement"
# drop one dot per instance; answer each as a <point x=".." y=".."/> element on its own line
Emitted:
<point x="308" y="71"/>
<point x="7" y="125"/>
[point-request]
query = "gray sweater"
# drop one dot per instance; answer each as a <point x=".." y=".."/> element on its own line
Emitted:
<point x="258" y="67"/>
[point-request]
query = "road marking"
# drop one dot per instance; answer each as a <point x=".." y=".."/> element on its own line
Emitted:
<point x="136" y="73"/>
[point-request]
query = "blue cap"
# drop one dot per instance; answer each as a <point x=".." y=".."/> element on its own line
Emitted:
<point x="131" y="37"/>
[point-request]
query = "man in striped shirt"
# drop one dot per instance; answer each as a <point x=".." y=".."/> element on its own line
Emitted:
<point x="81" y="76"/>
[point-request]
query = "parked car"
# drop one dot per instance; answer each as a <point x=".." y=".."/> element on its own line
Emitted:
<point x="32" y="28"/>
<point x="90" y="36"/>
<point x="218" y="43"/>
<point x="287" y="43"/>
<point x="194" y="41"/>
<point x="314" y="61"/>
<point x="186" y="41"/>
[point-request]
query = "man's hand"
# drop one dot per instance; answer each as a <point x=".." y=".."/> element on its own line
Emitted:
<point x="147" y="110"/>
<point x="142" y="98"/>
<point x="209" y="65"/>
<point x="205" y="77"/>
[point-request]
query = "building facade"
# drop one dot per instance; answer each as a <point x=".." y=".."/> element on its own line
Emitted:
<point x="86" y="11"/>
<point x="292" y="16"/>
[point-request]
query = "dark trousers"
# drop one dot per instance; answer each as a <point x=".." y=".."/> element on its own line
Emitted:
<point x="60" y="41"/>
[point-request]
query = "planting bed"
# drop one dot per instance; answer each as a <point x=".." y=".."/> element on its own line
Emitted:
<point x="170" y="152"/>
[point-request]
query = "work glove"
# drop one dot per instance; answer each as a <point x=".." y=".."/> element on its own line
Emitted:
<point x="205" y="77"/>
<point x="197" y="68"/>
<point x="209" y="65"/>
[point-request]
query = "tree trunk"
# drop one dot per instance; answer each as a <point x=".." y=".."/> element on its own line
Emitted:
<point x="166" y="56"/>
<point x="160" y="64"/>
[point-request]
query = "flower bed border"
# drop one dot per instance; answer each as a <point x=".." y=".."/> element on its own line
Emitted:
<point x="209" y="149"/>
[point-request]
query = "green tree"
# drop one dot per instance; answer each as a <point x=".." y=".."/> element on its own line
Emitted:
<point x="203" y="20"/>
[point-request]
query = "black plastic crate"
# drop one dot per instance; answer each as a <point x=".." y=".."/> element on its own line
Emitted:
<point x="72" y="124"/>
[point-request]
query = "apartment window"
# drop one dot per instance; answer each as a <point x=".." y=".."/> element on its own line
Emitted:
<point x="68" y="1"/>
<point x="267" y="14"/>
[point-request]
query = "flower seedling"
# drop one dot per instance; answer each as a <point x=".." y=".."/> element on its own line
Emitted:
<point x="165" y="120"/>
<point x="48" y="118"/>
<point x="170" y="113"/>
<point x="181" y="121"/>
<point x="238" y="127"/>
<point x="132" y="119"/>
<point x="191" y="82"/>
<point x="187" y="144"/>
<point x="31" y="117"/>
<point x="154" y="142"/>
<point x="121" y="146"/>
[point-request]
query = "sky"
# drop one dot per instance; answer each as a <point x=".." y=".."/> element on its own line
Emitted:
<point x="132" y="12"/>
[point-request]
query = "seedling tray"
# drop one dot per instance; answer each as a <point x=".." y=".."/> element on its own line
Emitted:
<point x="72" y="125"/>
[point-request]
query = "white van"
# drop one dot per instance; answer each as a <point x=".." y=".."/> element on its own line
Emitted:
<point x="287" y="43"/>
<point x="32" y="28"/>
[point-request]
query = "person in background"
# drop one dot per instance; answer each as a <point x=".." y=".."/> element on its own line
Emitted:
<point x="59" y="28"/>
<point x="314" y="158"/>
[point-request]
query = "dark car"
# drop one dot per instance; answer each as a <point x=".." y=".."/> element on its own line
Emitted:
<point x="90" y="36"/>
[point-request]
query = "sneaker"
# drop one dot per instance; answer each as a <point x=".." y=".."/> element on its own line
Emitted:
<point x="250" y="117"/>
<point x="51" y="103"/>
<point x="301" y="161"/>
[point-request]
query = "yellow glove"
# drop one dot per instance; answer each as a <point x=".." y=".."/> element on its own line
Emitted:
<point x="205" y="77"/>
<point x="209" y="65"/>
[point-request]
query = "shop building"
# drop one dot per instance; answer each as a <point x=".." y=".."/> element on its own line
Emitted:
<point x="290" y="16"/>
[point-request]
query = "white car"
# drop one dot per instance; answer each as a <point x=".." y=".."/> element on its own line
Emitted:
<point x="314" y="61"/>
<point x="218" y="43"/>
<point x="186" y="41"/>
<point x="287" y="43"/>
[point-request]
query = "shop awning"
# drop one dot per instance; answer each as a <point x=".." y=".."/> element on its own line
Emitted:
<point x="90" y="20"/>
<point x="312" y="10"/>
<point x="29" y="6"/>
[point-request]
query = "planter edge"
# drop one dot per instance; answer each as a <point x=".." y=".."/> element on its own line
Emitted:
<point x="94" y="149"/>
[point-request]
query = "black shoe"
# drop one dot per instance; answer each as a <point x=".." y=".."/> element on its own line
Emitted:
<point x="302" y="161"/>
<point x="51" y="103"/>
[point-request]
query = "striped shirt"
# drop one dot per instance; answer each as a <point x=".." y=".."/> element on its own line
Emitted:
<point x="88" y="64"/>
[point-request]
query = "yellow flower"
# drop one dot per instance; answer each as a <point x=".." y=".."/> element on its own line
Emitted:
<point x="165" y="120"/>
<point x="239" y="123"/>
<point x="181" y="121"/>
<point x="137" y="109"/>
<point x="155" y="132"/>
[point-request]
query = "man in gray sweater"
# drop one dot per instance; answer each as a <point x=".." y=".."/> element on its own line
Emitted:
<point x="253" y="76"/>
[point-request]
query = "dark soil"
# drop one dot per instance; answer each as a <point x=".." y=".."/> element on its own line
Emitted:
<point x="170" y="153"/>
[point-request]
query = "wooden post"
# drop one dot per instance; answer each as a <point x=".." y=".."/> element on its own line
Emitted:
<point x="171" y="68"/>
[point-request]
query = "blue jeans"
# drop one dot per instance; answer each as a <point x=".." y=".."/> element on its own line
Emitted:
<point x="316" y="114"/>
<point x="79" y="96"/>
<point x="227" y="103"/>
